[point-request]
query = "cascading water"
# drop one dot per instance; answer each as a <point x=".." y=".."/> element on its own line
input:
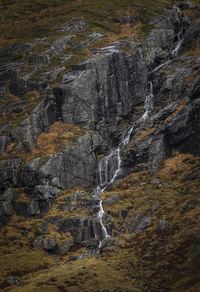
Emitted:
<point x="109" y="168"/>
<point x="110" y="165"/>
<point x="148" y="104"/>
<point x="180" y="32"/>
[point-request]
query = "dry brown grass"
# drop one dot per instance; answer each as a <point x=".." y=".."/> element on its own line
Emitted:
<point x="179" y="108"/>
<point x="144" y="133"/>
<point x="59" y="135"/>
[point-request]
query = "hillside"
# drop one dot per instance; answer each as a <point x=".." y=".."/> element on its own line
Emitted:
<point x="99" y="145"/>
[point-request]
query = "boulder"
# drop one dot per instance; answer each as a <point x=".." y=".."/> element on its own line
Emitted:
<point x="48" y="244"/>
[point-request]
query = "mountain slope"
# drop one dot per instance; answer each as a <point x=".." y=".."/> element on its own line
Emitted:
<point x="99" y="168"/>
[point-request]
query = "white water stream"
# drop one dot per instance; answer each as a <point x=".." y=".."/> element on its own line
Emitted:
<point x="110" y="165"/>
<point x="180" y="33"/>
<point x="108" y="169"/>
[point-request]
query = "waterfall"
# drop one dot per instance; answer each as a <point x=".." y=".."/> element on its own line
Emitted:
<point x="110" y="165"/>
<point x="108" y="169"/>
<point x="180" y="32"/>
<point x="148" y="104"/>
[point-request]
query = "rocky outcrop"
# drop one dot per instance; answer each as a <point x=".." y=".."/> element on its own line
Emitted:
<point x="42" y="117"/>
<point x="192" y="35"/>
<point x="115" y="83"/>
<point x="74" y="165"/>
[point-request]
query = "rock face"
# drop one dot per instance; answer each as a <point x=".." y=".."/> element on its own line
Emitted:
<point x="42" y="117"/>
<point x="115" y="83"/>
<point x="73" y="166"/>
<point x="9" y="175"/>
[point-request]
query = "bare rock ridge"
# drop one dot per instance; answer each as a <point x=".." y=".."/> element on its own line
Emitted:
<point x="99" y="95"/>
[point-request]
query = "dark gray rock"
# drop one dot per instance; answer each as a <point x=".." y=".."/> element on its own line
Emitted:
<point x="9" y="173"/>
<point x="91" y="38"/>
<point x="32" y="208"/>
<point x="4" y="128"/>
<point x="76" y="196"/>
<point x="164" y="113"/>
<point x="44" y="58"/>
<point x="42" y="117"/>
<point x="92" y="244"/>
<point x="4" y="142"/>
<point x="192" y="175"/>
<point x="15" y="107"/>
<point x="183" y="129"/>
<point x="14" y="281"/>
<point x="193" y="88"/>
<point x="117" y="82"/>
<point x="143" y="224"/>
<point x="18" y="86"/>
<point x="81" y="228"/>
<point x="112" y="199"/>
<point x="192" y="35"/>
<point x="74" y="25"/>
<point x="122" y="214"/>
<point x="75" y="164"/>
<point x="6" y="209"/>
<point x="91" y="205"/>
<point x="14" y="50"/>
<point x="163" y="225"/>
<point x="65" y="247"/>
<point x="190" y="206"/>
<point x="29" y="172"/>
<point x="187" y="5"/>
<point x="126" y="19"/>
<point x="8" y="195"/>
<point x="109" y="242"/>
<point x="48" y="244"/>
<point x="47" y="77"/>
<point x="45" y="192"/>
<point x="150" y="152"/>
<point x="139" y="223"/>
<point x="169" y="82"/>
<point x="155" y="206"/>
<point x="65" y="58"/>
<point x="3" y="86"/>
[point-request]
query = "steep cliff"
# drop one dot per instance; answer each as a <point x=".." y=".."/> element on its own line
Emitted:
<point x="100" y="145"/>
